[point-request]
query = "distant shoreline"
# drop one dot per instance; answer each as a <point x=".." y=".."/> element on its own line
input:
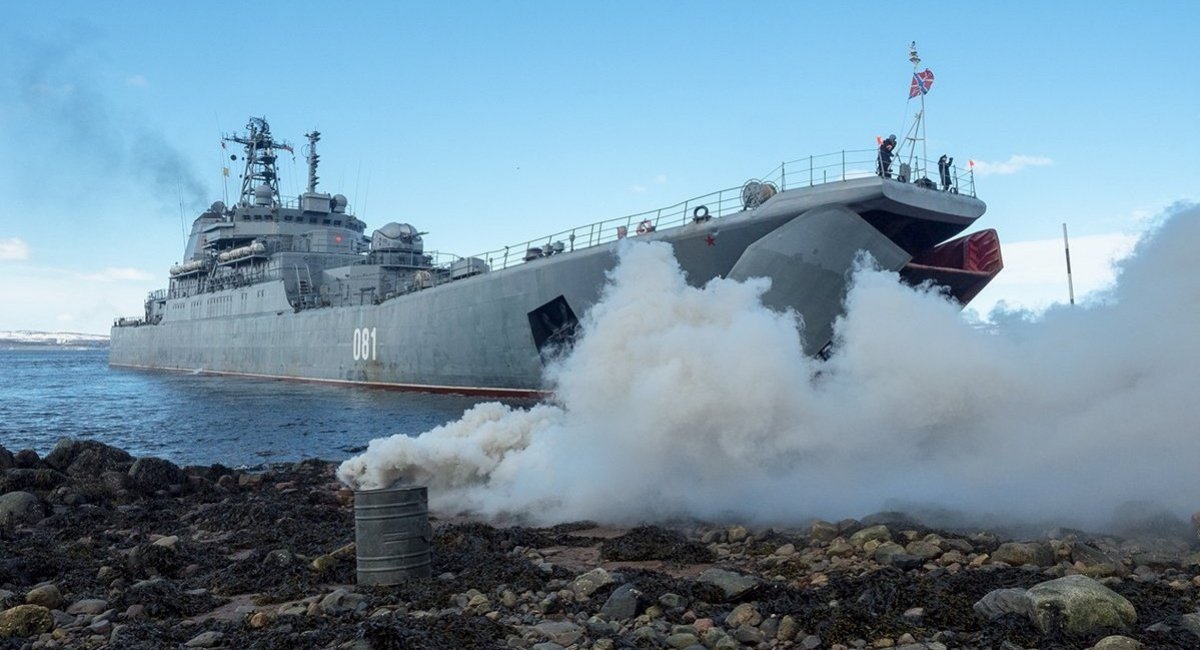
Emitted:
<point x="38" y="340"/>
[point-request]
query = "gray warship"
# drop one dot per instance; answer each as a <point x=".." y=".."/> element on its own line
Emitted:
<point x="297" y="289"/>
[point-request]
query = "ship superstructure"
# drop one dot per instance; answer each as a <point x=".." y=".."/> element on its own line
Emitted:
<point x="296" y="289"/>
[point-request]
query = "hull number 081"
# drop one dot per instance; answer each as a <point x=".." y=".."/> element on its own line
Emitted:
<point x="364" y="344"/>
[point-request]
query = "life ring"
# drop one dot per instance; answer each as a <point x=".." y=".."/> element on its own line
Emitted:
<point x="700" y="213"/>
<point x="644" y="227"/>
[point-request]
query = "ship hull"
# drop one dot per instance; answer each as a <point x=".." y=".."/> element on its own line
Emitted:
<point x="474" y="335"/>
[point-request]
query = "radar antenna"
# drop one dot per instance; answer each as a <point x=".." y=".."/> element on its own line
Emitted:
<point x="260" y="159"/>
<point x="313" y="159"/>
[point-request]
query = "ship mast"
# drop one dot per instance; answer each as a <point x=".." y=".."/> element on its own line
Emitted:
<point x="916" y="132"/>
<point x="260" y="171"/>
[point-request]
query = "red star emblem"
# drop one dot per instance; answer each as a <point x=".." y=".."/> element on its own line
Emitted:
<point x="710" y="240"/>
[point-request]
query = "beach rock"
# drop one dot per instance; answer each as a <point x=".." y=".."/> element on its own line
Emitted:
<point x="737" y="534"/>
<point x="27" y="479"/>
<point x="999" y="602"/>
<point x="744" y="614"/>
<point x="587" y="583"/>
<point x="6" y="459"/>
<point x="208" y="639"/>
<point x="91" y="606"/>
<point x="733" y="585"/>
<point x="26" y="459"/>
<point x="924" y="549"/>
<point x="789" y="627"/>
<point x="1118" y="642"/>
<point x="907" y="562"/>
<point x="622" y="604"/>
<point x="878" y="533"/>
<point x="21" y="507"/>
<point x="47" y="596"/>
<point x="25" y="621"/>
<point x="682" y="640"/>
<point x="1079" y="604"/>
<point x="1096" y="563"/>
<point x="839" y="547"/>
<point x="671" y="602"/>
<point x="822" y="531"/>
<point x="561" y="632"/>
<point x="151" y="474"/>
<point x="341" y="601"/>
<point x="1191" y="623"/>
<point x="86" y="458"/>
<point x="884" y="552"/>
<point x="749" y="635"/>
<point x="1022" y="553"/>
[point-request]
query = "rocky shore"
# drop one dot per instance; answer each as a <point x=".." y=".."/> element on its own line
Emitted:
<point x="102" y="550"/>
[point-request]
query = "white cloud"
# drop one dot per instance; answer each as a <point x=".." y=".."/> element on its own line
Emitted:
<point x="118" y="274"/>
<point x="661" y="179"/>
<point x="13" y="248"/>
<point x="44" y="298"/>
<point x="637" y="189"/>
<point x="1014" y="164"/>
<point x="137" y="81"/>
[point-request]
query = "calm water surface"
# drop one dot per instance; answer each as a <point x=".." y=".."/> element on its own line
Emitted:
<point x="46" y="394"/>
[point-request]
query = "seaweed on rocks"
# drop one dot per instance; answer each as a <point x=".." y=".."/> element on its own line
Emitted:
<point x="434" y="633"/>
<point x="654" y="543"/>
<point x="277" y="576"/>
<point x="273" y="521"/>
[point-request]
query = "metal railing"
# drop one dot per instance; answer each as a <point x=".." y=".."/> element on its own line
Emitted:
<point x="803" y="172"/>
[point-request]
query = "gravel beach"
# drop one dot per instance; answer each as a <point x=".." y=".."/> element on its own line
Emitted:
<point x="99" y="549"/>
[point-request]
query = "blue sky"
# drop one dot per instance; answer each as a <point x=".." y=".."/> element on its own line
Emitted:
<point x="491" y="123"/>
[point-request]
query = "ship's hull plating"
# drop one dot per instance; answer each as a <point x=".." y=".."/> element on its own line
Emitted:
<point x="474" y="335"/>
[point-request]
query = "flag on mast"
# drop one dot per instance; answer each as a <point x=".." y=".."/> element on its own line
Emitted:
<point x="921" y="83"/>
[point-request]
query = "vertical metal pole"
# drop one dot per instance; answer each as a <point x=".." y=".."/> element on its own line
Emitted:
<point x="782" y="176"/>
<point x="1067" y="250"/>
<point x="843" y="164"/>
<point x="810" y="171"/>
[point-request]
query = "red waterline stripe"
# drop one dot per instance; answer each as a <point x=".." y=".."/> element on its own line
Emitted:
<point x="416" y="388"/>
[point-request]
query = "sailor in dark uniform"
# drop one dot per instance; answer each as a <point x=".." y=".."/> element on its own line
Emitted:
<point x="884" y="165"/>
<point x="944" y="171"/>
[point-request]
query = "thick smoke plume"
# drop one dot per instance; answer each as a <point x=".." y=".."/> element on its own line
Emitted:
<point x="697" y="402"/>
<point x="60" y="99"/>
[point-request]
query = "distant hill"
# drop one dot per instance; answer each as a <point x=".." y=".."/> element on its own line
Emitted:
<point x="31" y="339"/>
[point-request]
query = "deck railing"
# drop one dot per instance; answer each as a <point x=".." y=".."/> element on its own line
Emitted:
<point x="803" y="172"/>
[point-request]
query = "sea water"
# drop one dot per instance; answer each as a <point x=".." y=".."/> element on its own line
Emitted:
<point x="50" y="393"/>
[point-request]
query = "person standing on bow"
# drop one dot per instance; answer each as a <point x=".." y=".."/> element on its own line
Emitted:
<point x="884" y="165"/>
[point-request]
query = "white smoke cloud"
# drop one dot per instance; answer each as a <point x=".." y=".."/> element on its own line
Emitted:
<point x="683" y="402"/>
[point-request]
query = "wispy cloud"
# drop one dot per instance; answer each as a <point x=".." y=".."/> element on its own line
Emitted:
<point x="13" y="248"/>
<point x="137" y="81"/>
<point x="637" y="189"/>
<point x="1014" y="164"/>
<point x="117" y="274"/>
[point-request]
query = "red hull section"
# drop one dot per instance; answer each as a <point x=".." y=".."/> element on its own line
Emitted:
<point x="964" y="266"/>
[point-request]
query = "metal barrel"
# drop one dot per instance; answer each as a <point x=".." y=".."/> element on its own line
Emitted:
<point x="392" y="535"/>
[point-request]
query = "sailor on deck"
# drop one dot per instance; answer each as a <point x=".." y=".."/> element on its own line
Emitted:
<point x="884" y="165"/>
<point x="944" y="171"/>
